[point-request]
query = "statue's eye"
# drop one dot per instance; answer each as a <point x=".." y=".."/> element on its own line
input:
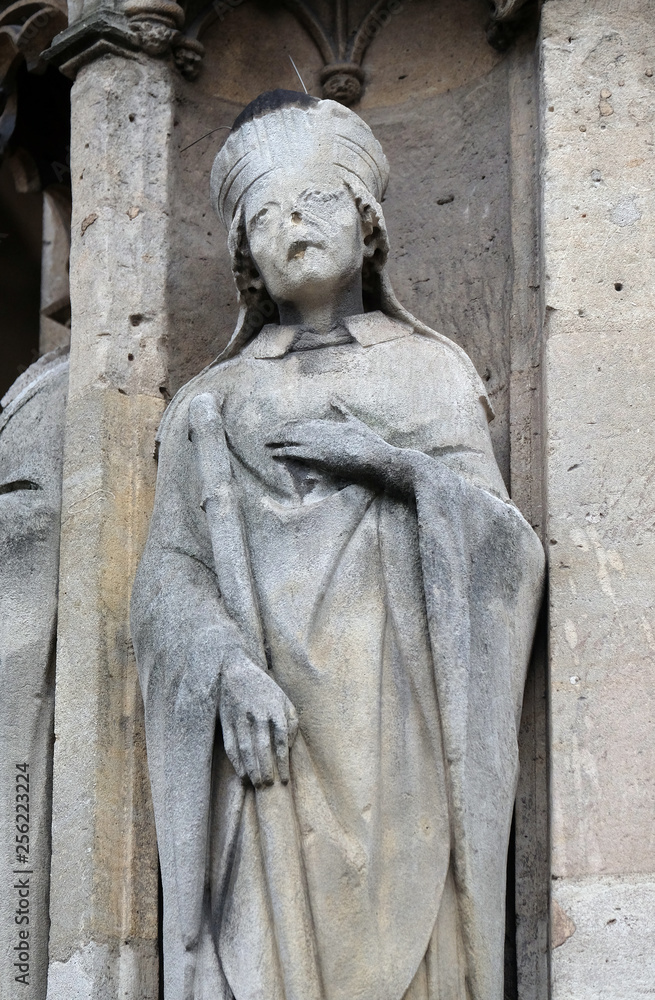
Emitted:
<point x="18" y="485"/>
<point x="321" y="196"/>
<point x="259" y="217"/>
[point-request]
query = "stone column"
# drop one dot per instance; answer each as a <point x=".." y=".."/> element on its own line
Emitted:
<point x="598" y="283"/>
<point x="104" y="922"/>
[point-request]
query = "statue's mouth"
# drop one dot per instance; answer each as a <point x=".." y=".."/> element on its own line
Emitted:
<point x="298" y="248"/>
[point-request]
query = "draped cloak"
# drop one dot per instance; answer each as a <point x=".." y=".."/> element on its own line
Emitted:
<point x="401" y="631"/>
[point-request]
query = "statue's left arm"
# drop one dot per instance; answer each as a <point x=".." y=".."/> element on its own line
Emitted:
<point x="482" y="575"/>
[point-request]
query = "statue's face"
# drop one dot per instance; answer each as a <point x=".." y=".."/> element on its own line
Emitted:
<point x="307" y="240"/>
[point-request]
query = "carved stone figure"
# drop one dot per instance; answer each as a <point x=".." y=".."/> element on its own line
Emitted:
<point x="31" y="447"/>
<point x="334" y="612"/>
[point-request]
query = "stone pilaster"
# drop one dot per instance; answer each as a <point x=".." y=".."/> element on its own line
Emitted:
<point x="103" y="943"/>
<point x="598" y="282"/>
<point x="531" y="811"/>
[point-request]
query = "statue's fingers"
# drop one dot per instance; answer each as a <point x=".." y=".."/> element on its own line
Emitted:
<point x="281" y="450"/>
<point x="297" y="429"/>
<point x="292" y="723"/>
<point x="232" y="750"/>
<point x="341" y="408"/>
<point x="277" y="445"/>
<point x="281" y="744"/>
<point x="247" y="752"/>
<point x="262" y="740"/>
<point x="292" y="451"/>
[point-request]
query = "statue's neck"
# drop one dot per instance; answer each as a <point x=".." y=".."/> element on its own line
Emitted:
<point x="324" y="316"/>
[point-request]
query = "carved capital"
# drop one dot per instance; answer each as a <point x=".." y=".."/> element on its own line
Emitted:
<point x="153" y="27"/>
<point x="188" y="54"/>
<point x="102" y="32"/>
<point x="155" y="24"/>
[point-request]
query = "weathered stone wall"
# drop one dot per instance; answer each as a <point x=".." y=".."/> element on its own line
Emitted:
<point x="597" y="160"/>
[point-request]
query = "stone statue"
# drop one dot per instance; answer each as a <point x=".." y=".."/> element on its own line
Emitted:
<point x="334" y="612"/>
<point x="31" y="448"/>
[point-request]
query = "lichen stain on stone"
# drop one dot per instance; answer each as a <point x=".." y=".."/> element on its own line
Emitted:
<point x="625" y="213"/>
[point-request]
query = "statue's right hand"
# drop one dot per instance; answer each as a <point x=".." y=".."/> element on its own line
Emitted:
<point x="258" y="720"/>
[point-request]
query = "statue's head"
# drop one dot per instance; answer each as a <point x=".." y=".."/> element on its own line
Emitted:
<point x="298" y="185"/>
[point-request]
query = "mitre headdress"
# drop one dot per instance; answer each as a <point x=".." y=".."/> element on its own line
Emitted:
<point x="283" y="130"/>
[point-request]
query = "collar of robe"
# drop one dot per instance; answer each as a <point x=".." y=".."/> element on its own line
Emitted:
<point x="367" y="329"/>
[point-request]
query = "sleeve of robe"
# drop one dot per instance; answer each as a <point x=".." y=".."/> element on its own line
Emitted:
<point x="482" y="574"/>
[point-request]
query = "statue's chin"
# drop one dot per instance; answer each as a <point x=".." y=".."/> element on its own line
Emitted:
<point x="307" y="259"/>
<point x="316" y="274"/>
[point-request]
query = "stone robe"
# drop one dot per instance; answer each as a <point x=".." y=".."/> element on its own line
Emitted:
<point x="400" y="630"/>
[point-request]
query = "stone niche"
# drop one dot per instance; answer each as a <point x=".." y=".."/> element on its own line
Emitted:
<point x="458" y="122"/>
<point x="444" y="105"/>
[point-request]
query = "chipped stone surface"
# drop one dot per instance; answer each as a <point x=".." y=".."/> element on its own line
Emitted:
<point x="561" y="925"/>
<point x="86" y="975"/>
<point x="93" y="973"/>
<point x="611" y="954"/>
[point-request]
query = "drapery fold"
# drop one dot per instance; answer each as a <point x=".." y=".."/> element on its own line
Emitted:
<point x="482" y="570"/>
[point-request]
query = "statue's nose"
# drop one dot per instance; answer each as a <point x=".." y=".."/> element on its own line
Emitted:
<point x="296" y="216"/>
